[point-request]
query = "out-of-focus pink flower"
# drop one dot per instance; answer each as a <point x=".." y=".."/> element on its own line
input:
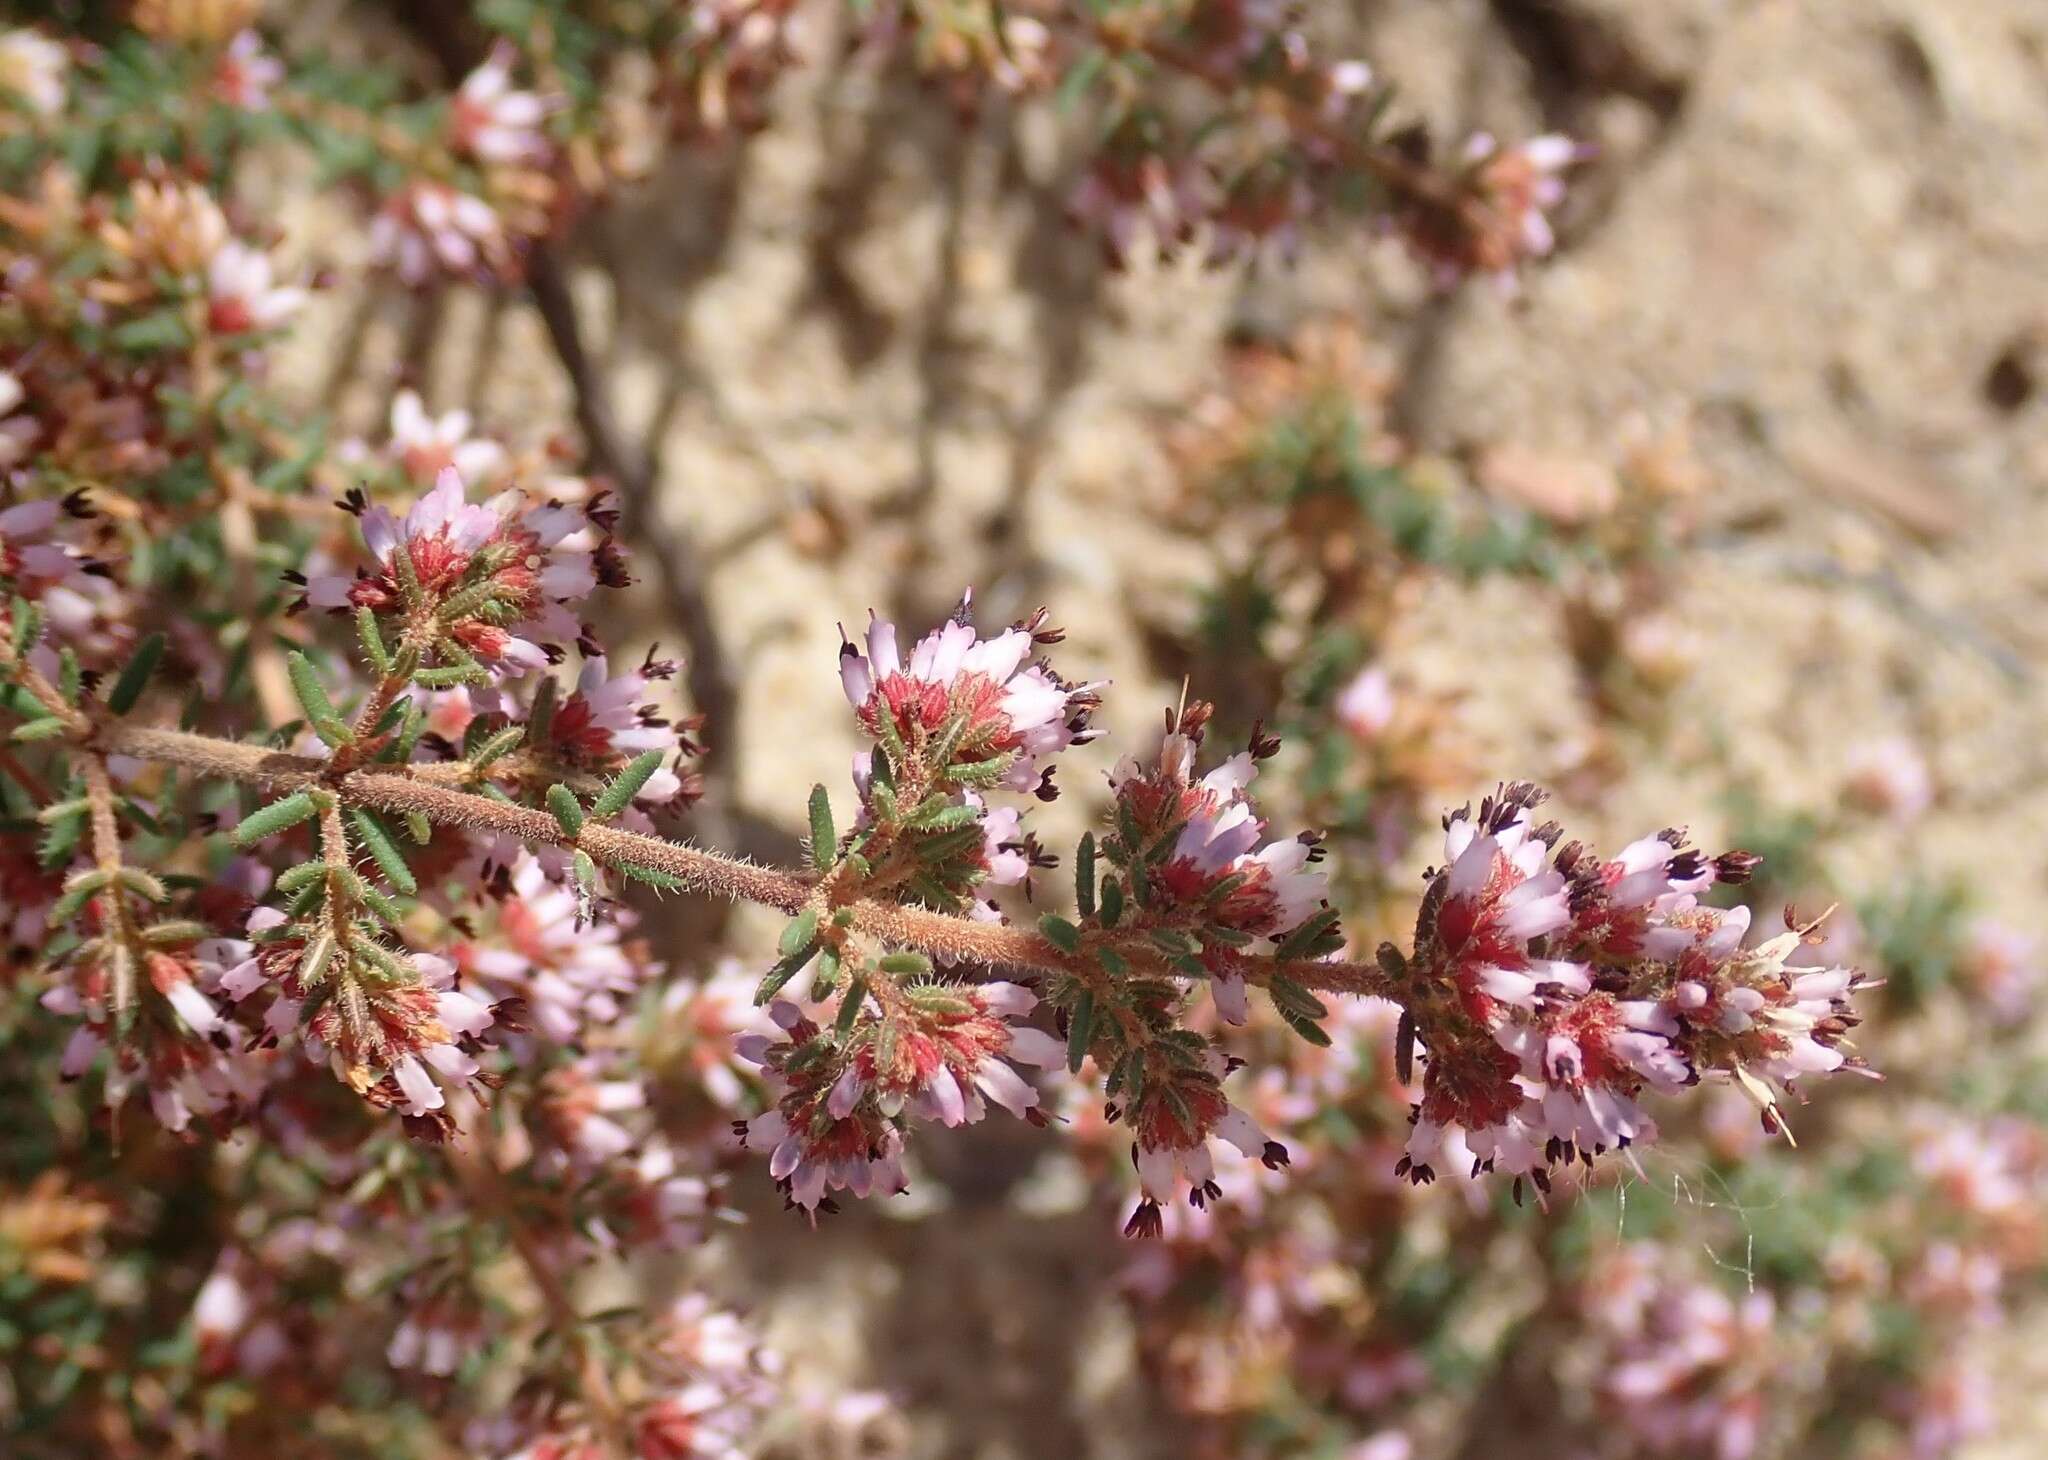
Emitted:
<point x="1891" y="777"/>
<point x="1496" y="216"/>
<point x="1366" y="705"/>
<point x="35" y="559"/>
<point x="573" y="975"/>
<point x="429" y="223"/>
<point x="493" y="121"/>
<point x="1684" y="1362"/>
<point x="242" y="295"/>
<point x="17" y="432"/>
<point x="32" y="71"/>
<point x="1385" y="1445"/>
<point x="2003" y="964"/>
<point x="1949" y="1409"/>
<point x="705" y="1017"/>
<point x="426" y="445"/>
<point x="1983" y="1169"/>
<point x="244" y="73"/>
<point x="1134" y="193"/>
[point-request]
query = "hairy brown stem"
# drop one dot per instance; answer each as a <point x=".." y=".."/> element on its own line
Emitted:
<point x="699" y="870"/>
<point x="106" y="852"/>
<point x="421" y="630"/>
<point x="39" y="687"/>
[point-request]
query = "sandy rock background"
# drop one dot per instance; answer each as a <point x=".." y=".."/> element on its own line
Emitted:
<point x="875" y="366"/>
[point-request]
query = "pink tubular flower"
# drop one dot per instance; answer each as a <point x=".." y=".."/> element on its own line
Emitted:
<point x="34" y="558"/>
<point x="1275" y="893"/>
<point x="32" y="71"/>
<point x="491" y="121"/>
<point x="181" y="1056"/>
<point x="241" y="296"/>
<point x="810" y="1151"/>
<point x="434" y="1041"/>
<point x="394" y="1033"/>
<point x="983" y="689"/>
<point x="1593" y="980"/>
<point x="17" y="432"/>
<point x="1498" y="893"/>
<point x="1269" y="891"/>
<point x="245" y="73"/>
<point x="849" y="1155"/>
<point x="941" y="1062"/>
<point x="572" y="974"/>
<point x="1003" y="847"/>
<point x="514" y="566"/>
<point x="940" y="1052"/>
<point x="608" y="719"/>
<point x="427" y="445"/>
<point x="429" y="223"/>
<point x="1217" y="869"/>
<point x="1175" y="1122"/>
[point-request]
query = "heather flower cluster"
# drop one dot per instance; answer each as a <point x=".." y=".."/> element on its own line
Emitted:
<point x="1555" y="987"/>
<point x="501" y="577"/>
<point x="1547" y="991"/>
<point x="369" y="1066"/>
